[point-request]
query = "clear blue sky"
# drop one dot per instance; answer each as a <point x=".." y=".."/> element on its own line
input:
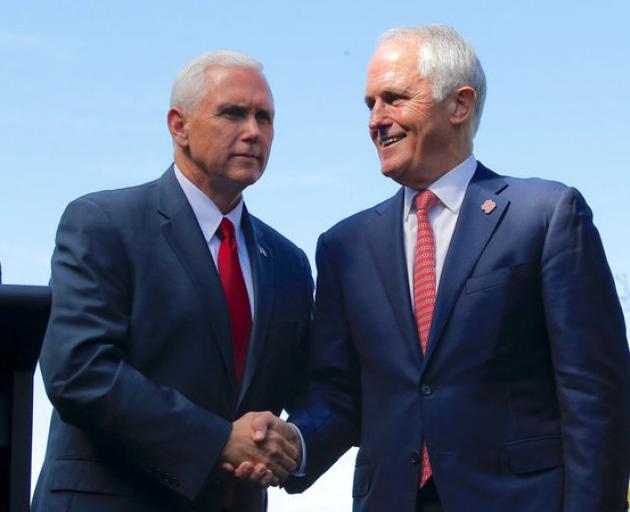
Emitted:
<point x="85" y="88"/>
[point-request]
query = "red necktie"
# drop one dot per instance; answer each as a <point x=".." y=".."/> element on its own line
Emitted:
<point x="235" y="294"/>
<point x="424" y="288"/>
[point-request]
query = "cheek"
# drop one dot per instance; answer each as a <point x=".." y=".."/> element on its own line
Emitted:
<point x="267" y="139"/>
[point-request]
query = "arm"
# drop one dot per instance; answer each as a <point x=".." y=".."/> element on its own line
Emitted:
<point x="328" y="414"/>
<point x="85" y="367"/>
<point x="590" y="355"/>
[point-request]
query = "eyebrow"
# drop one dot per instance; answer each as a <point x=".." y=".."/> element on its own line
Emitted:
<point x="226" y="105"/>
<point x="244" y="106"/>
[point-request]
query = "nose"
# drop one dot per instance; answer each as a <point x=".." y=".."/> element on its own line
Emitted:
<point x="251" y="129"/>
<point x="378" y="116"/>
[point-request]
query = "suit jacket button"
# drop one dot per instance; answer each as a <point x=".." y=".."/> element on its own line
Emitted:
<point x="426" y="390"/>
<point x="416" y="457"/>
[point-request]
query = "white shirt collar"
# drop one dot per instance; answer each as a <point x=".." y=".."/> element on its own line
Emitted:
<point x="208" y="214"/>
<point x="450" y="188"/>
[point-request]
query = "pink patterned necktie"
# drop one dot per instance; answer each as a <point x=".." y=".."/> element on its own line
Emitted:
<point x="424" y="288"/>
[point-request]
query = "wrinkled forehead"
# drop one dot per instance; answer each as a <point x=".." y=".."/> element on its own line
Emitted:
<point x="401" y="54"/>
<point x="394" y="62"/>
<point x="222" y="79"/>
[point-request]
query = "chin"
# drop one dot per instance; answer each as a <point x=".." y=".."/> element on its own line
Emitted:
<point x="249" y="177"/>
<point x="394" y="173"/>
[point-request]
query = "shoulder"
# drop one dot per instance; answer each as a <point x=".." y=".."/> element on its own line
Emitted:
<point x="117" y="199"/>
<point x="535" y="188"/>
<point x="519" y="185"/>
<point x="113" y="207"/>
<point x="532" y="194"/>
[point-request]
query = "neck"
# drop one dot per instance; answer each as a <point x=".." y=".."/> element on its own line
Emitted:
<point x="454" y="154"/>
<point x="223" y="193"/>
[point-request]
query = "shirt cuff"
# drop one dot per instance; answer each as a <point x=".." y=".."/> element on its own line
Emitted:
<point x="301" y="471"/>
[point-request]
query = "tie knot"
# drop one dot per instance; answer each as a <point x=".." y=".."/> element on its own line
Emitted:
<point x="426" y="200"/>
<point x="226" y="229"/>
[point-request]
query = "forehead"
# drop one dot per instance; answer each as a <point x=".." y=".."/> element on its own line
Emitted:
<point x="394" y="64"/>
<point x="239" y="85"/>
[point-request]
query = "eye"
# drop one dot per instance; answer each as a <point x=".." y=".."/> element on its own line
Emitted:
<point x="369" y="103"/>
<point x="233" y="112"/>
<point x="392" y="98"/>
<point x="263" y="116"/>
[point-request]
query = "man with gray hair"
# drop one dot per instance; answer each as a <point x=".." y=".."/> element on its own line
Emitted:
<point x="174" y="313"/>
<point x="467" y="333"/>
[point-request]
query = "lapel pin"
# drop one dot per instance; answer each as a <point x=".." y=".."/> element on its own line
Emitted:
<point x="262" y="250"/>
<point x="488" y="205"/>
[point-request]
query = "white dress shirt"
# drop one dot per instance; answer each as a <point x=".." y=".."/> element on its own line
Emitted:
<point x="209" y="217"/>
<point x="450" y="189"/>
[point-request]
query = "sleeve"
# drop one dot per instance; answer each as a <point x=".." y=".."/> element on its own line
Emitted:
<point x="328" y="415"/>
<point x="87" y="377"/>
<point x="590" y="355"/>
<point x="299" y="367"/>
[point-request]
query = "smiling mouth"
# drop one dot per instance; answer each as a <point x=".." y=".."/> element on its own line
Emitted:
<point x="392" y="139"/>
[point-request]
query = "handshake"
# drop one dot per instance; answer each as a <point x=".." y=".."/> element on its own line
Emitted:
<point x="262" y="449"/>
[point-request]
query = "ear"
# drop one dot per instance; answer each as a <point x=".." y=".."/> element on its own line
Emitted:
<point x="177" y="125"/>
<point x="462" y="106"/>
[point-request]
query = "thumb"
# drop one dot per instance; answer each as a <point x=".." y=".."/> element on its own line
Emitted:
<point x="262" y="422"/>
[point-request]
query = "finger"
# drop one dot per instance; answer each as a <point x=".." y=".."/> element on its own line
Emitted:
<point x="290" y="443"/>
<point x="279" y="471"/>
<point x="262" y="422"/>
<point x="282" y="452"/>
<point x="244" y="469"/>
<point x="269" y="479"/>
<point x="258" y="473"/>
<point x="226" y="466"/>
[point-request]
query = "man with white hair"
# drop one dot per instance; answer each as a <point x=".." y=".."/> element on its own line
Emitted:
<point x="467" y="333"/>
<point x="175" y="312"/>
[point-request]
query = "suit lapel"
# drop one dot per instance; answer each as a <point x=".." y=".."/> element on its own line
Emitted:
<point x="473" y="230"/>
<point x="385" y="238"/>
<point x="260" y="257"/>
<point x="184" y="235"/>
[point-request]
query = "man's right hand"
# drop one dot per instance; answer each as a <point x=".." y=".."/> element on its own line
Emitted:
<point x="262" y="449"/>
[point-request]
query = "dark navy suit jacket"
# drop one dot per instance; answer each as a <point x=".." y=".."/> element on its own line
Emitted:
<point x="523" y="396"/>
<point x="138" y="361"/>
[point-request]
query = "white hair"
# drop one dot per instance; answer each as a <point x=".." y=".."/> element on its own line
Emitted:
<point x="446" y="61"/>
<point x="189" y="86"/>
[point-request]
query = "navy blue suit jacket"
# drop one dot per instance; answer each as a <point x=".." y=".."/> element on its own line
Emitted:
<point x="523" y="396"/>
<point x="137" y="359"/>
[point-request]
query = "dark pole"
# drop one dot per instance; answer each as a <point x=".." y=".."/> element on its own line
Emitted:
<point x="24" y="314"/>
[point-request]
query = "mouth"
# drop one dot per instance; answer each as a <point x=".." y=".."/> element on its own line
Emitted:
<point x="246" y="155"/>
<point x="390" y="140"/>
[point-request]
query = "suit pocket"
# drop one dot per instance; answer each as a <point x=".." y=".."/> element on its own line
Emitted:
<point x="534" y="454"/>
<point x="83" y="475"/>
<point x="361" y="482"/>
<point x="498" y="278"/>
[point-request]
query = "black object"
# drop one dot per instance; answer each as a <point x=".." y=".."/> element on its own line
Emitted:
<point x="24" y="314"/>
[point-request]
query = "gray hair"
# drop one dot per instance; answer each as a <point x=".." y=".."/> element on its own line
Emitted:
<point x="446" y="61"/>
<point x="190" y="83"/>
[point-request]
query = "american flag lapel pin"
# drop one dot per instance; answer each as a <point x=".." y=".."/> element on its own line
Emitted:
<point x="488" y="206"/>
